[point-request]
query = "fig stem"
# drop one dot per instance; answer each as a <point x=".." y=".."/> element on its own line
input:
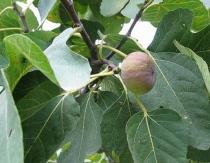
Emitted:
<point x="141" y="105"/>
<point x="102" y="74"/>
<point x="120" y="53"/>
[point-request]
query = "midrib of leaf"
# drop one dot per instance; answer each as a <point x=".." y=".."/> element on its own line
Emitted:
<point x="150" y="136"/>
<point x="168" y="83"/>
<point x="40" y="132"/>
<point x="83" y="126"/>
<point x="151" y="140"/>
<point x="126" y="93"/>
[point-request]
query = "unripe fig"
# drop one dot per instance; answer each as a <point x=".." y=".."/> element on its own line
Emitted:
<point x="138" y="72"/>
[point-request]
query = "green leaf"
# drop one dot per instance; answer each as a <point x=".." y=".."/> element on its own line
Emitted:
<point x="199" y="61"/>
<point x="34" y="100"/>
<point x="71" y="69"/>
<point x="47" y="118"/>
<point x="59" y="58"/>
<point x="176" y="26"/>
<point x="86" y="138"/>
<point x="19" y="48"/>
<point x="180" y="87"/>
<point x="31" y="20"/>
<point x="159" y="137"/>
<point x="11" y="137"/>
<point x="155" y="13"/>
<point x="116" y="6"/>
<point x="9" y="19"/>
<point x="113" y="126"/>
<point x="45" y="7"/>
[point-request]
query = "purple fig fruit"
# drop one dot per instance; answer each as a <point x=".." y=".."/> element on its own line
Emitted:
<point x="138" y="72"/>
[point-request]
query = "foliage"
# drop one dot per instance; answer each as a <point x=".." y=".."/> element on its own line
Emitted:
<point x="62" y="98"/>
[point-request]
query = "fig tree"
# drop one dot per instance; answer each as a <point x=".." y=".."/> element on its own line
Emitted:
<point x="138" y="72"/>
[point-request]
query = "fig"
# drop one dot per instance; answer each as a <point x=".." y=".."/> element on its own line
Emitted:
<point x="138" y="72"/>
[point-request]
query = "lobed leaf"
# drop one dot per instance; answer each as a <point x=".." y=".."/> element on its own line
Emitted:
<point x="47" y="118"/>
<point x="159" y="137"/>
<point x="86" y="138"/>
<point x="179" y="86"/>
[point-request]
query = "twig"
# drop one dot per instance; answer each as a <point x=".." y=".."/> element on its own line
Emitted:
<point x="121" y="54"/>
<point x="127" y="35"/>
<point x="22" y="18"/>
<point x="69" y="6"/>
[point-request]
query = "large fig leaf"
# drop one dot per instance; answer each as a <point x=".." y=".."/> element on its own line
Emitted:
<point x="47" y="117"/>
<point x="11" y="136"/>
<point x="86" y="138"/>
<point x="159" y="137"/>
<point x="180" y="87"/>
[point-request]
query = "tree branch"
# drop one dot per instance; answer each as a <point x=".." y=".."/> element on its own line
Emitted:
<point x="69" y="6"/>
<point x="22" y="18"/>
<point x="136" y="19"/>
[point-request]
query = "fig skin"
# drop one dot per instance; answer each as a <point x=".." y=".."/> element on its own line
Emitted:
<point x="138" y="72"/>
